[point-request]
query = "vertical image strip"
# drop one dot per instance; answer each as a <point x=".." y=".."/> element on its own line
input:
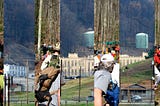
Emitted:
<point x="137" y="30"/>
<point x="77" y="41"/>
<point x="156" y="63"/>
<point x="106" y="53"/>
<point x="47" y="47"/>
<point x="1" y="53"/>
<point x="19" y="52"/>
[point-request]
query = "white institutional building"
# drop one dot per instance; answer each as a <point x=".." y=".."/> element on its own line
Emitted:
<point x="15" y="70"/>
<point x="71" y="65"/>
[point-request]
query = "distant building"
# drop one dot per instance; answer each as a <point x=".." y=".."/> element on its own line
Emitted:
<point x="144" y="91"/>
<point x="126" y="59"/>
<point x="15" y="70"/>
<point x="71" y="65"/>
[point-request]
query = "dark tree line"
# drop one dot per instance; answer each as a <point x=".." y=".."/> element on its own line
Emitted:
<point x="76" y="17"/>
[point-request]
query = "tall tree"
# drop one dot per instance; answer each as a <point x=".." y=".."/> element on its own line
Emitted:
<point x="50" y="21"/>
<point x="106" y="21"/>
<point x="157" y="22"/>
<point x="1" y="16"/>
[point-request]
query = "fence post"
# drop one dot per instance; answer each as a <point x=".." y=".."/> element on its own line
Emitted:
<point x="8" y="90"/>
<point x="87" y="102"/>
<point x="27" y="69"/>
<point x="79" y="84"/>
<point x="5" y="90"/>
<point x="21" y="102"/>
<point x="65" y="103"/>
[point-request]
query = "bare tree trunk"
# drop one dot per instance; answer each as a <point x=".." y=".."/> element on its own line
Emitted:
<point x="1" y="10"/>
<point x="51" y="21"/>
<point x="158" y="25"/>
<point x="106" y="22"/>
<point x="157" y="22"/>
<point x="39" y="28"/>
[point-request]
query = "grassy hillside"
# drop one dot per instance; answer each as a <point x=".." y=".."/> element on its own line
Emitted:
<point x="70" y="91"/>
<point x="137" y="72"/>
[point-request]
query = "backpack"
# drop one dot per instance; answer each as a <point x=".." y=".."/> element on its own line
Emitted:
<point x="112" y="94"/>
<point x="45" y="80"/>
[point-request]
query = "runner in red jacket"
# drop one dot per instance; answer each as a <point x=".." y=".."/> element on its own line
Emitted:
<point x="157" y="58"/>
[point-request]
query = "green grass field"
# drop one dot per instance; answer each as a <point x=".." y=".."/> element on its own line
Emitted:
<point x="78" y="104"/>
<point x="70" y="90"/>
<point x="21" y="104"/>
<point x="137" y="72"/>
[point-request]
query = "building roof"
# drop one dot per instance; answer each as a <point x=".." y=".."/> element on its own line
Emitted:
<point x="142" y="86"/>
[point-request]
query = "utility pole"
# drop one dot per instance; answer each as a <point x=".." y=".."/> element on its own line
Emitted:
<point x="80" y="84"/>
<point x="39" y="28"/>
<point x="8" y="90"/>
<point x="27" y="69"/>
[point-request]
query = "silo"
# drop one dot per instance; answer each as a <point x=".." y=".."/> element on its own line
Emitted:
<point x="142" y="40"/>
<point x="89" y="38"/>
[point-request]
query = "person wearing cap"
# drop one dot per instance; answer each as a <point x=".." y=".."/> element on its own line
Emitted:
<point x="102" y="78"/>
<point x="44" y="48"/>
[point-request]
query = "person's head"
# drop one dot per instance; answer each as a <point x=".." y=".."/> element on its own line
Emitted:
<point x="44" y="45"/>
<point x="56" y="53"/>
<point x="158" y="53"/>
<point x="158" y="47"/>
<point x="48" y="52"/>
<point x="108" y="61"/>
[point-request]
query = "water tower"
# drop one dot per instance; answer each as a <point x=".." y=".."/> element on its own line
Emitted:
<point x="142" y="40"/>
<point x="89" y="38"/>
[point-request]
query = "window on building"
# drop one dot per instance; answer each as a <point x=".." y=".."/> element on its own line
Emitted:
<point x="79" y="63"/>
<point x="64" y="63"/>
<point x="82" y="63"/>
<point x="72" y="72"/>
<point x="72" y="63"/>
<point x="11" y="67"/>
<point x="82" y="72"/>
<point x="68" y="72"/>
<point x="75" y="62"/>
<point x="65" y="72"/>
<point x="75" y="72"/>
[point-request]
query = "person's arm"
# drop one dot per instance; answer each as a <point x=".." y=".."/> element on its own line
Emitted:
<point x="59" y="98"/>
<point x="53" y="92"/>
